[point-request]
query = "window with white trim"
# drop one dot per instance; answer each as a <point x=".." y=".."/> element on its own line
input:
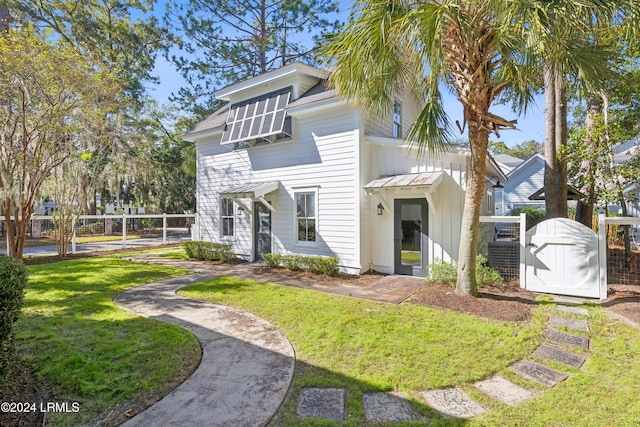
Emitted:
<point x="227" y="217"/>
<point x="397" y="119"/>
<point x="306" y="216"/>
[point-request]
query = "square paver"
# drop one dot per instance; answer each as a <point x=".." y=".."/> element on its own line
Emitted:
<point x="531" y="370"/>
<point x="573" y="310"/>
<point x="575" y="324"/>
<point x="389" y="407"/>
<point x="453" y="403"/>
<point x="561" y="356"/>
<point x="566" y="339"/>
<point x="322" y="403"/>
<point x="504" y="390"/>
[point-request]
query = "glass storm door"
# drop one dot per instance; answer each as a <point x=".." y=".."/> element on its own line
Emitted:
<point x="410" y="236"/>
<point x="262" y="230"/>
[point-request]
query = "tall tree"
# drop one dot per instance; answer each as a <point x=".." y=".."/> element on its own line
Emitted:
<point x="106" y="30"/>
<point x="394" y="46"/>
<point x="523" y="150"/>
<point x="224" y="41"/>
<point x="560" y="33"/>
<point x="48" y="92"/>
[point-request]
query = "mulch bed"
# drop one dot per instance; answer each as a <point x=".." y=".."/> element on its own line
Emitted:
<point x="507" y="302"/>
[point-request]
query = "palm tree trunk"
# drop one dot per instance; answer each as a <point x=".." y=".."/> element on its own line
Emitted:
<point x="479" y="142"/>
<point x="588" y="166"/>
<point x="555" y="119"/>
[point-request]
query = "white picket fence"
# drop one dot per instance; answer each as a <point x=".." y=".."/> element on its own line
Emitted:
<point x="111" y="219"/>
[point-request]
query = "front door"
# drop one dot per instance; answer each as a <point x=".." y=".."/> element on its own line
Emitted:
<point x="261" y="230"/>
<point x="411" y="229"/>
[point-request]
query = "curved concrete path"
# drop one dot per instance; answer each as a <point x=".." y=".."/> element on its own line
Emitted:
<point x="246" y="368"/>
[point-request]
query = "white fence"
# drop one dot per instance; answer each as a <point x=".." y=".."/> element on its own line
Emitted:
<point x="155" y="225"/>
<point x="613" y="265"/>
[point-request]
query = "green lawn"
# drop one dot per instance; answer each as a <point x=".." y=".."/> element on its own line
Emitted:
<point x="87" y="350"/>
<point x="365" y="346"/>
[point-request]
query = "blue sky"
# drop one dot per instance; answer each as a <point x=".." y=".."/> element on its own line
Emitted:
<point x="530" y="126"/>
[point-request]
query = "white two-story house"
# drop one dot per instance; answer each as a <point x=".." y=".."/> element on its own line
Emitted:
<point x="287" y="166"/>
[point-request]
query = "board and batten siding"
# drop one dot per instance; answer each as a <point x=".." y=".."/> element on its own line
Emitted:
<point x="444" y="223"/>
<point x="320" y="157"/>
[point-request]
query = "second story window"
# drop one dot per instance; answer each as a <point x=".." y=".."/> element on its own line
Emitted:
<point x="397" y="119"/>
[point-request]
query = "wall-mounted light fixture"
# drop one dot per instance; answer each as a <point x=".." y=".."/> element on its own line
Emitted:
<point x="497" y="184"/>
<point x="380" y="208"/>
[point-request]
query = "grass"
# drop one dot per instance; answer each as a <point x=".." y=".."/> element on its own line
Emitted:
<point x="30" y="243"/>
<point x="366" y="346"/>
<point x="87" y="350"/>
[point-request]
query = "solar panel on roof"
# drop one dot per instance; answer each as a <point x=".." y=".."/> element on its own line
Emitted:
<point x="257" y="117"/>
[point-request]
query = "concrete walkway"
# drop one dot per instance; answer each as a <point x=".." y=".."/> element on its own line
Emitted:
<point x="246" y="368"/>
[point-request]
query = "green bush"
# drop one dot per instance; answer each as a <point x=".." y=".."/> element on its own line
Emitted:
<point x="447" y="273"/>
<point x="272" y="260"/>
<point x="325" y="265"/>
<point x="13" y="279"/>
<point x="315" y="264"/>
<point x="293" y="262"/>
<point x="208" y="251"/>
<point x="534" y="215"/>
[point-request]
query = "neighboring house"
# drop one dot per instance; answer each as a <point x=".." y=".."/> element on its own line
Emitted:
<point x="524" y="178"/>
<point x="288" y="167"/>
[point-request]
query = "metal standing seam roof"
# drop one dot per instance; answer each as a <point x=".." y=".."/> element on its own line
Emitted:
<point x="408" y="180"/>
<point x="251" y="190"/>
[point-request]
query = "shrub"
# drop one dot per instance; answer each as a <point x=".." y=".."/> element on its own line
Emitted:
<point x="293" y="262"/>
<point x="534" y="215"/>
<point x="315" y="264"/>
<point x="273" y="260"/>
<point x="447" y="273"/>
<point x="208" y="251"/>
<point x="13" y="279"/>
<point x="325" y="265"/>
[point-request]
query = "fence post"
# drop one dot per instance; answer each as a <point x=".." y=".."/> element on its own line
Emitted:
<point x="73" y="238"/>
<point x="124" y="231"/>
<point x="523" y="251"/>
<point x="602" y="254"/>
<point x="164" y="228"/>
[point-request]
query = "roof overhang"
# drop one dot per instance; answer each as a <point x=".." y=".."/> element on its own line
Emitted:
<point x="572" y="194"/>
<point x="255" y="191"/>
<point x="425" y="183"/>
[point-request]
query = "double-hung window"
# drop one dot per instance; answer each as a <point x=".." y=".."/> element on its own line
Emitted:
<point x="306" y="216"/>
<point x="227" y="217"/>
<point x="397" y="119"/>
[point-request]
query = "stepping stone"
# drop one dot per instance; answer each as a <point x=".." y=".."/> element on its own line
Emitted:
<point x="575" y="324"/>
<point x="504" y="390"/>
<point x="453" y="403"/>
<point x="531" y="370"/>
<point x="561" y="356"/>
<point x="566" y="339"/>
<point x="389" y="407"/>
<point x="573" y="310"/>
<point x="567" y="300"/>
<point x="323" y="403"/>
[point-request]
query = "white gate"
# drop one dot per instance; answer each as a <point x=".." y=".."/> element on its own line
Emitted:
<point x="562" y="257"/>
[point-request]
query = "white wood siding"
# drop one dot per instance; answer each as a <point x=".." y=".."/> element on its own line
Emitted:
<point x="321" y="155"/>
<point x="444" y="223"/>
<point x="384" y="126"/>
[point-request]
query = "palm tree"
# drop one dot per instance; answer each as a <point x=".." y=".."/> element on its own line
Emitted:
<point x="468" y="46"/>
